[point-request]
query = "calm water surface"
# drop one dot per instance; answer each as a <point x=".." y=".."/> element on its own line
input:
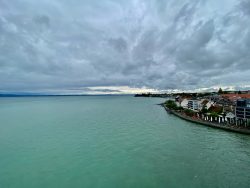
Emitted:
<point x="113" y="142"/>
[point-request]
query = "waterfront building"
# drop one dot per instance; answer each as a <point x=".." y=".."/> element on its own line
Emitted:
<point x="177" y="99"/>
<point x="230" y="118"/>
<point x="207" y="104"/>
<point x="194" y="105"/>
<point x="184" y="103"/>
<point x="236" y="97"/>
<point x="242" y="111"/>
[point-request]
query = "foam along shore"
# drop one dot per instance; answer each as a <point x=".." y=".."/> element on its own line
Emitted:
<point x="226" y="127"/>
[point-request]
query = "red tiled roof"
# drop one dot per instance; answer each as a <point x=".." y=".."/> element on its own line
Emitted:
<point x="204" y="102"/>
<point x="237" y="96"/>
<point x="216" y="108"/>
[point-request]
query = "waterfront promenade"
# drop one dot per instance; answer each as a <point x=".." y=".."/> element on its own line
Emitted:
<point x="232" y="128"/>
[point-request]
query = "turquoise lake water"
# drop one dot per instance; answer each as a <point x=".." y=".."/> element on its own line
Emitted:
<point x="114" y="142"/>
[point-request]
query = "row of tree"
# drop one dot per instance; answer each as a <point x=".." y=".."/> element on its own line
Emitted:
<point x="220" y="91"/>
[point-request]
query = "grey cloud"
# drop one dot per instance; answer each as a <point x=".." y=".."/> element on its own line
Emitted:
<point x="42" y="20"/>
<point x="245" y="6"/>
<point x="187" y="12"/>
<point x="119" y="44"/>
<point x="176" y="44"/>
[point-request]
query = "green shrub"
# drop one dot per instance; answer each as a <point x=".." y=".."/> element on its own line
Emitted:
<point x="214" y="114"/>
<point x="204" y="110"/>
<point x="179" y="108"/>
<point x="189" y="112"/>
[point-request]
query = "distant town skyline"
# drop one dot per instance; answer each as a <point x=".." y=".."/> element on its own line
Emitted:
<point x="124" y="46"/>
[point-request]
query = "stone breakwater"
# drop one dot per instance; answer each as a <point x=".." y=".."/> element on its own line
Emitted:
<point x="231" y="128"/>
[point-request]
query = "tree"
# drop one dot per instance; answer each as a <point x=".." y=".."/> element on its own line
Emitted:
<point x="220" y="91"/>
<point x="214" y="114"/>
<point x="171" y="104"/>
<point x="239" y="92"/>
<point x="204" y="110"/>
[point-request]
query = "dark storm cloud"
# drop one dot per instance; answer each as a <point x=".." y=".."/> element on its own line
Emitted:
<point x="245" y="6"/>
<point x="176" y="44"/>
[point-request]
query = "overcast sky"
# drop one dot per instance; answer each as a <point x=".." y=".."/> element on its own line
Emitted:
<point x="84" y="46"/>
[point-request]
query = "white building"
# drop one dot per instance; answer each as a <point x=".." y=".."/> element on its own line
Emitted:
<point x="206" y="104"/>
<point x="209" y="104"/>
<point x="230" y="115"/>
<point x="184" y="103"/>
<point x="191" y="104"/>
<point x="194" y="105"/>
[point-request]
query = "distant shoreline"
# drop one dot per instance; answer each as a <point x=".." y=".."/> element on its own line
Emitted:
<point x="208" y="124"/>
<point x="44" y="95"/>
